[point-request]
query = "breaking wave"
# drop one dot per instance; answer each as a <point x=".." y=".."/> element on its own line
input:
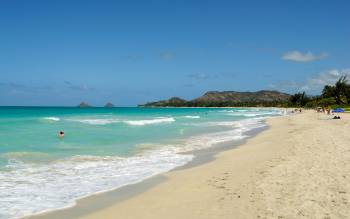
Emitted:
<point x="150" y="121"/>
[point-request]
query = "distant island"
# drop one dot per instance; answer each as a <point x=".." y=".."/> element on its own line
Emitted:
<point x="83" y="105"/>
<point x="86" y="105"/>
<point x="109" y="105"/>
<point x="227" y="98"/>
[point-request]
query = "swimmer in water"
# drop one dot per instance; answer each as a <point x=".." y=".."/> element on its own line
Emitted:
<point x="61" y="134"/>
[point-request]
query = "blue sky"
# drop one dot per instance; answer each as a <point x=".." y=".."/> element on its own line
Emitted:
<point x="130" y="52"/>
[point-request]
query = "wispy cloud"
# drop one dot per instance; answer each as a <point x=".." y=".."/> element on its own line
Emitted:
<point x="313" y="84"/>
<point x="168" y="55"/>
<point x="76" y="87"/>
<point x="285" y="85"/>
<point x="24" y="87"/>
<point x="207" y="76"/>
<point x="318" y="81"/>
<point x="297" y="56"/>
<point x="203" y="76"/>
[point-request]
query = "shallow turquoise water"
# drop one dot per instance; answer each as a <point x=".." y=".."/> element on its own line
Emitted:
<point x="102" y="149"/>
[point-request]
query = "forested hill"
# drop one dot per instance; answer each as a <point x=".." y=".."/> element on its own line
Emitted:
<point x="227" y="98"/>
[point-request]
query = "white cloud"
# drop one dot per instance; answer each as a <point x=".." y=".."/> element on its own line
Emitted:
<point x="168" y="55"/>
<point x="297" y="56"/>
<point x="285" y="85"/>
<point x="76" y="87"/>
<point x="203" y="76"/>
<point x="313" y="84"/>
<point x="317" y="82"/>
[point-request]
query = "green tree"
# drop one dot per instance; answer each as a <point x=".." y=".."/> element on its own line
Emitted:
<point x="340" y="90"/>
<point x="299" y="99"/>
<point x="328" y="91"/>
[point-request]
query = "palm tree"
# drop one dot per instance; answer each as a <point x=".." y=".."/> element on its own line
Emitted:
<point x="340" y="90"/>
<point x="299" y="99"/>
<point x="328" y="91"/>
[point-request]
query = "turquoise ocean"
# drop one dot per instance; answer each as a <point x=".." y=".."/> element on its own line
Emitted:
<point x="103" y="148"/>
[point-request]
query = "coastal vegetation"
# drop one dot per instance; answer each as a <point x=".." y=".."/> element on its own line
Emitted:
<point x="337" y="95"/>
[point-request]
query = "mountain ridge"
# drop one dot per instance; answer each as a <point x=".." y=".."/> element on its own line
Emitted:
<point x="226" y="98"/>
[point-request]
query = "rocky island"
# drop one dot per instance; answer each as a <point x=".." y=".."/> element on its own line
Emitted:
<point x="84" y="105"/>
<point x="109" y="105"/>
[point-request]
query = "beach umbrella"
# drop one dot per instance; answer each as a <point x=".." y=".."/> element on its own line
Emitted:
<point x="338" y="110"/>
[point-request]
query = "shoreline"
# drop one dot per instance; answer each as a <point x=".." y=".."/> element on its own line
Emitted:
<point x="297" y="168"/>
<point x="109" y="197"/>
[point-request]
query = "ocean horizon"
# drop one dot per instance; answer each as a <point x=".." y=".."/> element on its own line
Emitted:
<point x="103" y="148"/>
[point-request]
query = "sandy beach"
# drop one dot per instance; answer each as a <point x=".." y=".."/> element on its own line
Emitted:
<point x="298" y="168"/>
<point x="174" y="109"/>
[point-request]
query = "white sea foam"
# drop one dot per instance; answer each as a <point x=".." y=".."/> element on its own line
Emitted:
<point x="105" y="121"/>
<point x="208" y="140"/>
<point x="254" y="114"/>
<point x="248" y="122"/>
<point x="52" y="118"/>
<point x="95" y="121"/>
<point x="28" y="189"/>
<point x="150" y="121"/>
<point x="192" y="117"/>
